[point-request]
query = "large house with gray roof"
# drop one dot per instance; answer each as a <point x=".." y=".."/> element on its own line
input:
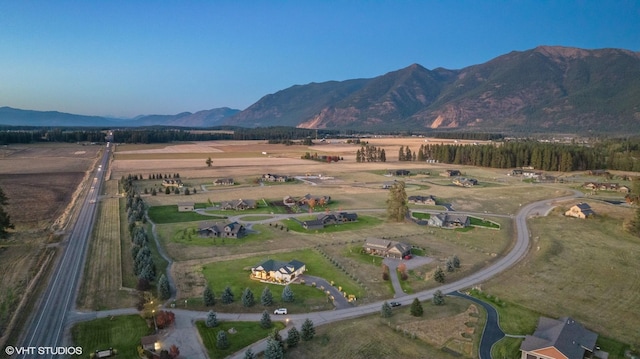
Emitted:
<point x="446" y="220"/>
<point x="386" y="248"/>
<point x="562" y="338"/>
<point x="275" y="271"/>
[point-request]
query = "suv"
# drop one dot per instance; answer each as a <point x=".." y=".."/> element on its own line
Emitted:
<point x="280" y="311"/>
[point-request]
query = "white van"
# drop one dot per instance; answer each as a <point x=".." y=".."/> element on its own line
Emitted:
<point x="280" y="311"/>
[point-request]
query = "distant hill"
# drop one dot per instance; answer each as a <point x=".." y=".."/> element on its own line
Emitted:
<point x="546" y="89"/>
<point x="207" y="118"/>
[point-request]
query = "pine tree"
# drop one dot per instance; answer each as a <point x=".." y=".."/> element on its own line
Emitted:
<point x="293" y="337"/>
<point x="248" y="299"/>
<point x="397" y="207"/>
<point x="266" y="299"/>
<point x="449" y="265"/>
<point x="265" y="320"/>
<point x="227" y="295"/>
<point x="385" y="311"/>
<point x="222" y="342"/>
<point x="249" y="354"/>
<point x="401" y="153"/>
<point x="208" y="297"/>
<point x="456" y="261"/>
<point x="212" y="319"/>
<point x="273" y="350"/>
<point x="438" y="297"/>
<point x="308" y="331"/>
<point x="438" y="275"/>
<point x="164" y="291"/>
<point x="416" y="308"/>
<point x="287" y="294"/>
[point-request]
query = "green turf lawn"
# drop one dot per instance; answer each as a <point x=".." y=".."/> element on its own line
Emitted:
<point x="187" y="233"/>
<point x="170" y="214"/>
<point x="362" y="222"/>
<point x="247" y="333"/>
<point x="483" y="223"/>
<point x="122" y="333"/>
<point x="235" y="274"/>
<point x="420" y="215"/>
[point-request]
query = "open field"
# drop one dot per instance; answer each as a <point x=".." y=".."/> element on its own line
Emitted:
<point x="581" y="268"/>
<point x="550" y="280"/>
<point x="102" y="281"/>
<point x="40" y="181"/>
<point x="122" y="333"/>
<point x="438" y="334"/>
<point x="245" y="334"/>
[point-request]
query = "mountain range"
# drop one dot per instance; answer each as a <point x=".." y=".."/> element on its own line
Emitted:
<point x="546" y="89"/>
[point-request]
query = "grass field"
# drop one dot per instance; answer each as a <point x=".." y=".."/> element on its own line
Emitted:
<point x="438" y="334"/>
<point x="580" y="268"/>
<point x="246" y="334"/>
<point x="170" y="214"/>
<point x="362" y="222"/>
<point x="121" y="333"/>
<point x="102" y="281"/>
<point x="235" y="274"/>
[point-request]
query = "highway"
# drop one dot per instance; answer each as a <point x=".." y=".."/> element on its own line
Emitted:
<point x="46" y="327"/>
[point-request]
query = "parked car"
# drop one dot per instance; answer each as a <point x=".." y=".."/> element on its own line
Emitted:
<point x="280" y="311"/>
<point x="395" y="304"/>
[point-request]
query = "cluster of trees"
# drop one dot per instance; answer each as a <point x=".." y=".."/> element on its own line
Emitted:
<point x="322" y="158"/>
<point x="5" y="219"/>
<point x="370" y="153"/>
<point x="276" y="346"/>
<point x="405" y="154"/>
<point x="248" y="298"/>
<point x="10" y="134"/>
<point x="143" y="265"/>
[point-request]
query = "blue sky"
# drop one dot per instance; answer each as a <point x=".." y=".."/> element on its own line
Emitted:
<point x="126" y="58"/>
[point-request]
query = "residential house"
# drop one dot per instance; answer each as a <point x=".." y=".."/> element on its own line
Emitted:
<point x="319" y="200"/>
<point x="276" y="271"/>
<point x="451" y="173"/>
<point x="386" y="248"/>
<point x="563" y="338"/>
<point x="172" y="182"/>
<point x="598" y="186"/>
<point x="465" y="182"/>
<point x="269" y="177"/>
<point x="238" y="205"/>
<point x="388" y="184"/>
<point x="289" y="201"/>
<point x="580" y="210"/>
<point x="329" y="218"/>
<point x="230" y="230"/>
<point x="445" y="220"/>
<point x="401" y="173"/>
<point x="426" y="200"/>
<point x="224" y="182"/>
<point x="186" y="206"/>
<point x="516" y="172"/>
<point x="532" y="174"/>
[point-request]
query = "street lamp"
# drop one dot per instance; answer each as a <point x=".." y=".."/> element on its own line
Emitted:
<point x="153" y="313"/>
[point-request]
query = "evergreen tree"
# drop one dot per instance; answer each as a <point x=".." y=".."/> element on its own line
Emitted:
<point x="209" y="162"/>
<point x="249" y="354"/>
<point x="438" y="297"/>
<point x="358" y="156"/>
<point x="308" y="330"/>
<point x="222" y="342"/>
<point x="208" y="297"/>
<point x="449" y="265"/>
<point x="386" y="312"/>
<point x="274" y="350"/>
<point x="438" y="275"/>
<point x="293" y="337"/>
<point x="397" y="205"/>
<point x="456" y="261"/>
<point x="265" y="320"/>
<point x="383" y="156"/>
<point x="164" y="291"/>
<point x="167" y="190"/>
<point x="416" y="308"/>
<point x="287" y="294"/>
<point x="266" y="299"/>
<point x="401" y="153"/>
<point x="227" y="295"/>
<point x="212" y="319"/>
<point x="248" y="299"/>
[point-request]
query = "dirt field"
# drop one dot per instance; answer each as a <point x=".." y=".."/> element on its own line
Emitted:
<point x="40" y="181"/>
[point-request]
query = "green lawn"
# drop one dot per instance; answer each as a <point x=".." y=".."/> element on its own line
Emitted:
<point x="121" y="333"/>
<point x="483" y="223"/>
<point x="235" y="274"/>
<point x="363" y="222"/>
<point x="420" y="215"/>
<point x="170" y="214"/>
<point x="187" y="233"/>
<point x="246" y="334"/>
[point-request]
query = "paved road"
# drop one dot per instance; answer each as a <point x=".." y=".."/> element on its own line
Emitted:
<point x="492" y="332"/>
<point x="47" y="324"/>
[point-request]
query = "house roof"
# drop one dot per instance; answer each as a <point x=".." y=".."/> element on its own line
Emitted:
<point x="377" y="243"/>
<point x="148" y="340"/>
<point x="272" y="265"/>
<point x="565" y="334"/>
<point x="585" y="208"/>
